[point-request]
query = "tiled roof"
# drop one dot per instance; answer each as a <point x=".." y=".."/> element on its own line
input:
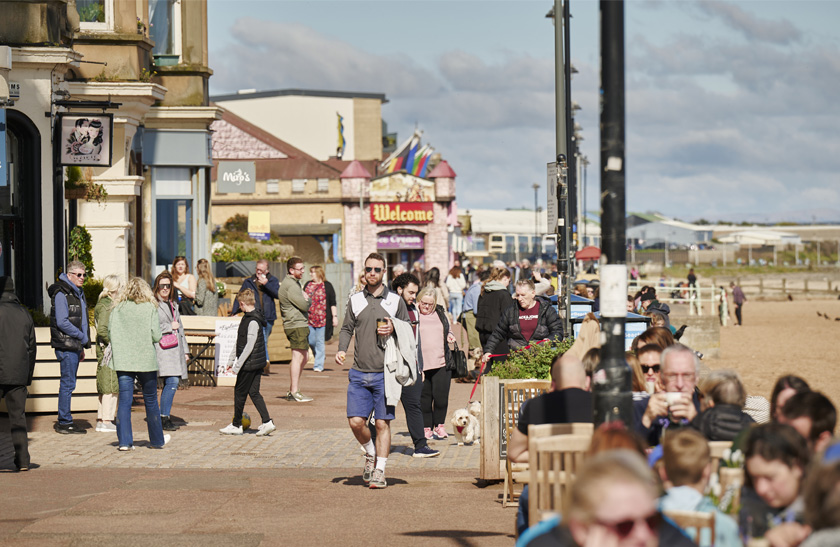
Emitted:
<point x="232" y="143"/>
<point x="442" y="170"/>
<point x="355" y="171"/>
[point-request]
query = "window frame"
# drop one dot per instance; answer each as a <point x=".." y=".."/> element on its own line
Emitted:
<point x="107" y="26"/>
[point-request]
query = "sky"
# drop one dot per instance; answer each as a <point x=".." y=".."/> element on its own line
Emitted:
<point x="731" y="107"/>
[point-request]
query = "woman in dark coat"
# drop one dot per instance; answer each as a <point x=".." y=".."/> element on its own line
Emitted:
<point x="493" y="300"/>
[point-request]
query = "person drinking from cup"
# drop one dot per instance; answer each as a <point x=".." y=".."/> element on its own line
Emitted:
<point x="679" y="403"/>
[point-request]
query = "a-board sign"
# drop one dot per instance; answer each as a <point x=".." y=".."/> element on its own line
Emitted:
<point x="225" y="341"/>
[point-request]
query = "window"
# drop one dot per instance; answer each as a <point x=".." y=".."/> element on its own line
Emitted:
<point x="323" y="186"/>
<point x="96" y="15"/>
<point x="165" y="31"/>
<point x="272" y="186"/>
<point x="173" y="181"/>
<point x="298" y="186"/>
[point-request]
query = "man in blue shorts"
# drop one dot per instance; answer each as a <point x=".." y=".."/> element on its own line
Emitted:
<point x="366" y="391"/>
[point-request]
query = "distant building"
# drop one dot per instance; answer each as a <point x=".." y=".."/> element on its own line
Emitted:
<point x="658" y="234"/>
<point x="761" y="237"/>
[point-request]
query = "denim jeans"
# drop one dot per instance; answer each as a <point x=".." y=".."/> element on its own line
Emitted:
<point x="69" y="368"/>
<point x="456" y="303"/>
<point x="148" y="381"/>
<point x="269" y="325"/>
<point x="316" y="342"/>
<point x="167" y="394"/>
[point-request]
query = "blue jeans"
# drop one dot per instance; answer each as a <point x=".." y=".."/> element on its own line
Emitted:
<point x="316" y="342"/>
<point x="456" y="304"/>
<point x="266" y="333"/>
<point x="167" y="394"/>
<point x="69" y="368"/>
<point x="148" y="381"/>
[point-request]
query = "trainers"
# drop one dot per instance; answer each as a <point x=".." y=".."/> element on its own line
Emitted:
<point x="427" y="431"/>
<point x="69" y="429"/>
<point x="103" y="427"/>
<point x="298" y="397"/>
<point x="440" y="433"/>
<point x="166" y="423"/>
<point x="370" y="465"/>
<point x="231" y="430"/>
<point x="166" y="439"/>
<point x="378" y="479"/>
<point x="425" y="452"/>
<point x="266" y="429"/>
<point x="126" y="448"/>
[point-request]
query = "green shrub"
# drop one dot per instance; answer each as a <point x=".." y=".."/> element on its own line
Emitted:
<point x="531" y="363"/>
<point x="39" y="318"/>
<point x="80" y="247"/>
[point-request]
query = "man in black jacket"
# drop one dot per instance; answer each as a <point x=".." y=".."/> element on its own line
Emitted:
<point x="533" y="319"/>
<point x="69" y="336"/>
<point x="17" y="364"/>
<point x="265" y="287"/>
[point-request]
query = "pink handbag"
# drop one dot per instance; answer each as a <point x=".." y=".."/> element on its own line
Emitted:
<point x="169" y="340"/>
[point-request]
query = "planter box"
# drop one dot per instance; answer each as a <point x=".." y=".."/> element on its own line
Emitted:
<point x="166" y="60"/>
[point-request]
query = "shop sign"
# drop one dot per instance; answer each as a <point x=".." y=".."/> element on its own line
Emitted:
<point x="236" y="177"/>
<point x="14" y="90"/>
<point x="402" y="213"/>
<point x="86" y="139"/>
<point x="259" y="225"/>
<point x="400" y="241"/>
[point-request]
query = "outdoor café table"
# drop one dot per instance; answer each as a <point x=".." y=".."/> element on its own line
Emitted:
<point x="202" y="347"/>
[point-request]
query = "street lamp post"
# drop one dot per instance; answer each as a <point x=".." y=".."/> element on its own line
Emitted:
<point x="536" y="188"/>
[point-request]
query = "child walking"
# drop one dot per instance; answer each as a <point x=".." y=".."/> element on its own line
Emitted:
<point x="247" y="363"/>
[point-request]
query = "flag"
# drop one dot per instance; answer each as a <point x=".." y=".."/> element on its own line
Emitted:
<point x="409" y="160"/>
<point x="424" y="165"/>
<point x="340" y="150"/>
<point x="397" y="160"/>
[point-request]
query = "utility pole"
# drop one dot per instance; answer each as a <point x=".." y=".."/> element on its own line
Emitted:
<point x="536" y="188"/>
<point x="611" y="382"/>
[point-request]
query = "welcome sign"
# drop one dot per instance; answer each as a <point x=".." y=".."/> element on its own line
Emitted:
<point x="236" y="177"/>
<point x="402" y="213"/>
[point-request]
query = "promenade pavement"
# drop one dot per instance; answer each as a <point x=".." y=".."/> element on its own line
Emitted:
<point x="301" y="485"/>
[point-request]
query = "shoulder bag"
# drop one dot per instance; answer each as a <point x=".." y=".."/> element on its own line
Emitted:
<point x="170" y="339"/>
<point x="458" y="365"/>
<point x="185" y="304"/>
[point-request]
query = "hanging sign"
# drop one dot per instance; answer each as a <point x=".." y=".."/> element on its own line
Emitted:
<point x="86" y="139"/>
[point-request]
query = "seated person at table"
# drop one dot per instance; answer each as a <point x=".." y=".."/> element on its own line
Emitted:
<point x="723" y="398"/>
<point x="685" y="473"/>
<point x="813" y="416"/>
<point x="678" y="404"/>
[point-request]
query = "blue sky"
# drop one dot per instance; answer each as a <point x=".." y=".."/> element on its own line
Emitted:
<point x="731" y="106"/>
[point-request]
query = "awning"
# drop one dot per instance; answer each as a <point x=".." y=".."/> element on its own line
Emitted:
<point x="183" y="148"/>
<point x="588" y="253"/>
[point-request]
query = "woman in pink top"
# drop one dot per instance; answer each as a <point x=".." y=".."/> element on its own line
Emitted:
<point x="434" y="353"/>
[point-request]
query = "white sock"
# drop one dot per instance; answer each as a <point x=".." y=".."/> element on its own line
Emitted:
<point x="370" y="448"/>
<point x="380" y="463"/>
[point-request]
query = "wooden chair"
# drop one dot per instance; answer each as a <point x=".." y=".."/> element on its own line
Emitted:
<point x="224" y="309"/>
<point x="555" y="461"/>
<point x="717" y="449"/>
<point x="695" y="520"/>
<point x="515" y="393"/>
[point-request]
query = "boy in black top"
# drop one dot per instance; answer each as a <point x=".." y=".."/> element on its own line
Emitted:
<point x="247" y="364"/>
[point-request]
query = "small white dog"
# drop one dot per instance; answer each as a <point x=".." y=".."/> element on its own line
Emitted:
<point x="465" y="423"/>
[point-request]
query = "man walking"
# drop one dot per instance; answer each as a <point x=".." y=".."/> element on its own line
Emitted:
<point x="407" y="285"/>
<point x="17" y="364"/>
<point x="738" y="299"/>
<point x="69" y="336"/>
<point x="368" y="317"/>
<point x="294" y="306"/>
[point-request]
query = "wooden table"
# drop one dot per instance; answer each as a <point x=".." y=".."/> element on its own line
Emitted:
<point x="203" y="347"/>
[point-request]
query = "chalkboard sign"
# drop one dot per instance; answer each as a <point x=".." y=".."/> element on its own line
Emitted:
<point x="225" y="340"/>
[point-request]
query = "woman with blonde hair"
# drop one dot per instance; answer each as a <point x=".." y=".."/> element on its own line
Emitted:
<point x="206" y="297"/>
<point x="106" y="378"/>
<point x="134" y="330"/>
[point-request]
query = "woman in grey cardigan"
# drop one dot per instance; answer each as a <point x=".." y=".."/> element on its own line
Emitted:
<point x="206" y="297"/>
<point x="134" y="330"/>
<point x="172" y="362"/>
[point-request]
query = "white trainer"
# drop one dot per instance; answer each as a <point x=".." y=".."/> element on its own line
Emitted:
<point x="231" y="430"/>
<point x="266" y="429"/>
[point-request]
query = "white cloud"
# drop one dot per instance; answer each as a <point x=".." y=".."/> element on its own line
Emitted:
<point x="755" y="29"/>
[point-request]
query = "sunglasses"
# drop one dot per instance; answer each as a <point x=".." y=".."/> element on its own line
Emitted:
<point x="369" y="269"/>
<point x="647" y="368"/>
<point x="166" y="286"/>
<point x="79" y="275"/>
<point x="625" y="527"/>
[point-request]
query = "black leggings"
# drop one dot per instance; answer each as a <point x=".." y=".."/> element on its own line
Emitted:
<point x="248" y="383"/>
<point x="436" y="384"/>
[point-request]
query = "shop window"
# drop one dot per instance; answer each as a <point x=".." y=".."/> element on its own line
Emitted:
<point x="96" y="15"/>
<point x="298" y="186"/>
<point x="165" y="31"/>
<point x="174" y="230"/>
<point x="272" y="186"/>
<point x="323" y="186"/>
<point x="173" y="181"/>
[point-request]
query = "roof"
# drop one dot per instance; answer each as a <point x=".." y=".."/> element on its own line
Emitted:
<point x="236" y="139"/>
<point x="650" y="217"/>
<point x="442" y="170"/>
<point x="245" y="94"/>
<point x="355" y="171"/>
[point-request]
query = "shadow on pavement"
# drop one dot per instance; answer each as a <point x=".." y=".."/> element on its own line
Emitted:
<point x="357" y="481"/>
<point x="459" y="537"/>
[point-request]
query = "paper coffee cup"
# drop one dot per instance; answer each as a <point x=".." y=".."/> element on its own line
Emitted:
<point x="674" y="397"/>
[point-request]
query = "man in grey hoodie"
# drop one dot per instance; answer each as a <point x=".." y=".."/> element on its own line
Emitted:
<point x="294" y="306"/>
